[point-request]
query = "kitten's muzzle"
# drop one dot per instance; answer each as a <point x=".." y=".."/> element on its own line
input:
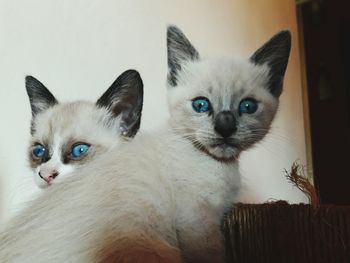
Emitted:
<point x="48" y="179"/>
<point x="225" y="124"/>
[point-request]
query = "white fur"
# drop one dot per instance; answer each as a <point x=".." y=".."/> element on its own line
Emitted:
<point x="159" y="184"/>
<point x="157" y="187"/>
<point x="170" y="187"/>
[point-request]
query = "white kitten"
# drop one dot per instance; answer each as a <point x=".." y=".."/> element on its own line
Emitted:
<point x="161" y="198"/>
<point x="65" y="136"/>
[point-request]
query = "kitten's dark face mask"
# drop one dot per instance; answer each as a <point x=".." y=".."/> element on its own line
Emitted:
<point x="224" y="106"/>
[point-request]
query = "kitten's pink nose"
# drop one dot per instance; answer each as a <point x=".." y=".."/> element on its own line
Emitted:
<point x="49" y="179"/>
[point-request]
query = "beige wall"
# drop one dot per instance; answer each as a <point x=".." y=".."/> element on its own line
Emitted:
<point x="77" y="48"/>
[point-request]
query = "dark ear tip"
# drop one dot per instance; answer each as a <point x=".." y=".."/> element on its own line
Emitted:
<point x="29" y="79"/>
<point x="171" y="28"/>
<point x="31" y="83"/>
<point x="132" y="73"/>
<point x="284" y="36"/>
<point x="172" y="31"/>
<point x="285" y="32"/>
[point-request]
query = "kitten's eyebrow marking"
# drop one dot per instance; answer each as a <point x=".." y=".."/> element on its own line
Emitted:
<point x="210" y="90"/>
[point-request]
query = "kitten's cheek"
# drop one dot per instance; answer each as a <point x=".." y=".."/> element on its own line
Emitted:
<point x="66" y="170"/>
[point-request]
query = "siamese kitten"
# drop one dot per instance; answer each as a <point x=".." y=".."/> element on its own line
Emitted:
<point x="65" y="136"/>
<point x="161" y="197"/>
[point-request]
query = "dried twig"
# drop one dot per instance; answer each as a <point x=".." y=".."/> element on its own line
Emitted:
<point x="297" y="177"/>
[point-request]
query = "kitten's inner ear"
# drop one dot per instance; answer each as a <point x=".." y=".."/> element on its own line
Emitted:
<point x="180" y="50"/>
<point x="124" y="98"/>
<point x="275" y="53"/>
<point x="39" y="96"/>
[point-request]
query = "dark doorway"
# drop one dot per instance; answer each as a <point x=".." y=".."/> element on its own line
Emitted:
<point x="326" y="36"/>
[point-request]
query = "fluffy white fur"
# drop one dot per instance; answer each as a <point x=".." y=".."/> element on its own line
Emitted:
<point x="160" y="198"/>
<point x="137" y="191"/>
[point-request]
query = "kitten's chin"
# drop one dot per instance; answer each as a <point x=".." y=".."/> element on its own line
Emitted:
<point x="43" y="185"/>
<point x="223" y="152"/>
<point x="219" y="149"/>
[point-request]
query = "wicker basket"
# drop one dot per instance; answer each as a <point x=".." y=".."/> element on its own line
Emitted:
<point x="279" y="232"/>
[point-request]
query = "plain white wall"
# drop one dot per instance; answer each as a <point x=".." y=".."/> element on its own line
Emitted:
<point x="77" y="48"/>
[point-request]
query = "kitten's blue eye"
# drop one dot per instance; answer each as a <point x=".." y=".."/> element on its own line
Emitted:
<point x="79" y="149"/>
<point x="201" y="105"/>
<point x="248" y="106"/>
<point x="39" y="151"/>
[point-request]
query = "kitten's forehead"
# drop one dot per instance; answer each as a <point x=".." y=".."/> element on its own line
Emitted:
<point x="69" y="120"/>
<point x="223" y="80"/>
<point x="226" y="75"/>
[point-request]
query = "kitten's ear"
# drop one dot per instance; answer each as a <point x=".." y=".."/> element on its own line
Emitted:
<point x="39" y="96"/>
<point x="180" y="50"/>
<point x="124" y="98"/>
<point x="275" y="53"/>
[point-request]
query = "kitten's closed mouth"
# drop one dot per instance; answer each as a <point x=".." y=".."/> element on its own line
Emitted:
<point x="224" y="143"/>
<point x="224" y="149"/>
